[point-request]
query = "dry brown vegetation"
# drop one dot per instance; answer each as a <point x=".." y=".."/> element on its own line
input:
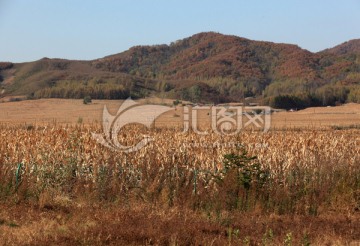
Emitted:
<point x="144" y="225"/>
<point x="288" y="187"/>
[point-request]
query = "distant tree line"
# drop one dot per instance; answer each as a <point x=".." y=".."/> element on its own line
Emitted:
<point x="81" y="91"/>
<point x="324" y="96"/>
<point x="6" y="65"/>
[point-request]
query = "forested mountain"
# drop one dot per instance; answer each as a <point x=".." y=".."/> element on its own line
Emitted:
<point x="207" y="67"/>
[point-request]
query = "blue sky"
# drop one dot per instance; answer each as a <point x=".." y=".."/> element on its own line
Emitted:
<point x="79" y="29"/>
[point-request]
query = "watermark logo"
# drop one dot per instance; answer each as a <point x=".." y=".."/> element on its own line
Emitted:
<point x="228" y="120"/>
<point x="129" y="112"/>
<point x="224" y="120"/>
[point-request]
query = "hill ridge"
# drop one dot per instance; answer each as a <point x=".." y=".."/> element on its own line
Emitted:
<point x="206" y="66"/>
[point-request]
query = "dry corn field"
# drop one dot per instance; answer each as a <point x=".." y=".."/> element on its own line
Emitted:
<point x="58" y="185"/>
<point x="42" y="148"/>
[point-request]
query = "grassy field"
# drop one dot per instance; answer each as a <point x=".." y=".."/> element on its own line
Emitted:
<point x="297" y="184"/>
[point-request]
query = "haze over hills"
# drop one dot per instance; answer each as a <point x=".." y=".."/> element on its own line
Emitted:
<point x="206" y="67"/>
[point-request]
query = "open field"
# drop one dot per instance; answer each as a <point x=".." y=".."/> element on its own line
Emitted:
<point x="297" y="184"/>
<point x="72" y="111"/>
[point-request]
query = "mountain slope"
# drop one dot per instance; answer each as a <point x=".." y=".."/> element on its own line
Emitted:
<point x="208" y="55"/>
<point x="350" y="47"/>
<point x="204" y="67"/>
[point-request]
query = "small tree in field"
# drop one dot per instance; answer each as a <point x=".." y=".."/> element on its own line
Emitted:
<point x="87" y="100"/>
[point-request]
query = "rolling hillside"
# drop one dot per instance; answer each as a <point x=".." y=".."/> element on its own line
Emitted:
<point x="206" y="67"/>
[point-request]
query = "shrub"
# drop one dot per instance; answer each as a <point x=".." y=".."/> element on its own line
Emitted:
<point x="87" y="100"/>
<point x="176" y="102"/>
